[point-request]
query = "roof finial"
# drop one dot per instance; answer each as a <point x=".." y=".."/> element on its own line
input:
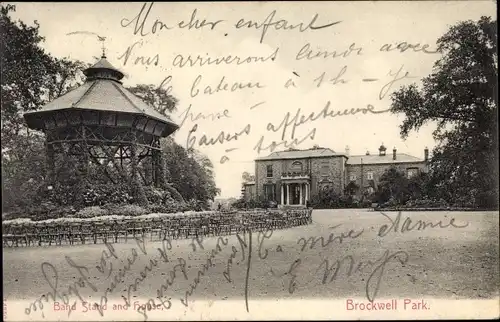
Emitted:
<point x="102" y="39"/>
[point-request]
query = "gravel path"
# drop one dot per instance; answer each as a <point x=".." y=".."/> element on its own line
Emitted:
<point x="446" y="263"/>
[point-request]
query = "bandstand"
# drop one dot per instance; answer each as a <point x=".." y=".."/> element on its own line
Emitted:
<point x="101" y="127"/>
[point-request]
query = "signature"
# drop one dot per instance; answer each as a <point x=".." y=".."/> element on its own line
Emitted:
<point x="409" y="225"/>
<point x="331" y="272"/>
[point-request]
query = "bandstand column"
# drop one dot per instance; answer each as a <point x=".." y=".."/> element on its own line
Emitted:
<point x="287" y="193"/>
<point x="160" y="170"/>
<point x="139" y="194"/>
<point x="49" y="147"/>
<point x="85" y="153"/>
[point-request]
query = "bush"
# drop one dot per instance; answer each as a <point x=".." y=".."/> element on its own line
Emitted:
<point x="155" y="195"/>
<point x="101" y="194"/>
<point x="252" y="204"/>
<point x="90" y="212"/>
<point x="126" y="210"/>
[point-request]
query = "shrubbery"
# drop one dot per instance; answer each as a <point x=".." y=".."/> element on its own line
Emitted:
<point x="252" y="204"/>
<point x="90" y="212"/>
<point x="101" y="194"/>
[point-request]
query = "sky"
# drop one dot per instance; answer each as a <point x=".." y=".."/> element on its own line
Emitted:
<point x="289" y="79"/>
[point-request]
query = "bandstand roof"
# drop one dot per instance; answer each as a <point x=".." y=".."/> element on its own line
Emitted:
<point x="102" y="91"/>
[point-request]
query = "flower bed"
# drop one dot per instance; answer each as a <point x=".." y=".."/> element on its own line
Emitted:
<point x="403" y="208"/>
<point x="426" y="204"/>
<point x="23" y="231"/>
<point x="28" y="221"/>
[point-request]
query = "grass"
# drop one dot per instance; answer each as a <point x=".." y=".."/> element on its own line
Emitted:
<point x="447" y="263"/>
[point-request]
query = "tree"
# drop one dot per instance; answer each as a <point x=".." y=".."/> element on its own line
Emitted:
<point x="461" y="96"/>
<point x="247" y="177"/>
<point x="191" y="175"/>
<point x="418" y="186"/>
<point x="30" y="78"/>
<point x="157" y="97"/>
<point x="351" y="188"/>
<point x="393" y="184"/>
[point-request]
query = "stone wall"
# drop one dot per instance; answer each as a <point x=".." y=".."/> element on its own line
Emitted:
<point x="332" y="175"/>
<point x="332" y="171"/>
<point x="377" y="170"/>
<point x="261" y="176"/>
<point x="249" y="192"/>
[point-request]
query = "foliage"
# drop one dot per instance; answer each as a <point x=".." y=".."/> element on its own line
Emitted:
<point x="461" y="96"/>
<point x="247" y="177"/>
<point x="101" y="194"/>
<point x="191" y="174"/>
<point x="393" y="184"/>
<point x="23" y="173"/>
<point x="351" y="188"/>
<point x="127" y="210"/>
<point x="31" y="78"/>
<point x="156" y="97"/>
<point x="242" y="203"/>
<point x="329" y="199"/>
<point x="90" y="212"/>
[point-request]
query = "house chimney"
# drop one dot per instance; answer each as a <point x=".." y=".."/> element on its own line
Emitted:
<point x="426" y="154"/>
<point x="381" y="150"/>
<point x="394" y="153"/>
<point x="347" y="150"/>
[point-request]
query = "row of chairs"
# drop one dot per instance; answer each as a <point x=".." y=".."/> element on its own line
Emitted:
<point x="93" y="232"/>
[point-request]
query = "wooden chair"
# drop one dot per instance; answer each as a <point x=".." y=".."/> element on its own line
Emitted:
<point x="102" y="231"/>
<point x="87" y="232"/>
<point x="120" y="230"/>
<point x="73" y="233"/>
<point x="156" y="229"/>
<point x="47" y="233"/>
<point x="11" y="236"/>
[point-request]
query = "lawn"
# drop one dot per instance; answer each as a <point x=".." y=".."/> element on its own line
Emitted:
<point x="297" y="265"/>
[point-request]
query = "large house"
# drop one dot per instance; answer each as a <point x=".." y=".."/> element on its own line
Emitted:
<point x="291" y="177"/>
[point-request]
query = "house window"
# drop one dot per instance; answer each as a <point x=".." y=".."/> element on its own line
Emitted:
<point x="296" y="167"/>
<point x="269" y="171"/>
<point x="325" y="169"/>
<point x="353" y="177"/>
<point x="411" y="172"/>
<point x="369" y="175"/>
<point x="270" y="192"/>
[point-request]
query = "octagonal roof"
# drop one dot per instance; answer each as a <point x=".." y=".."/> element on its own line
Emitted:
<point x="102" y="91"/>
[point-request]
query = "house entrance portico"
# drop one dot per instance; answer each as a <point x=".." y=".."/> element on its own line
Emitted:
<point x="294" y="193"/>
